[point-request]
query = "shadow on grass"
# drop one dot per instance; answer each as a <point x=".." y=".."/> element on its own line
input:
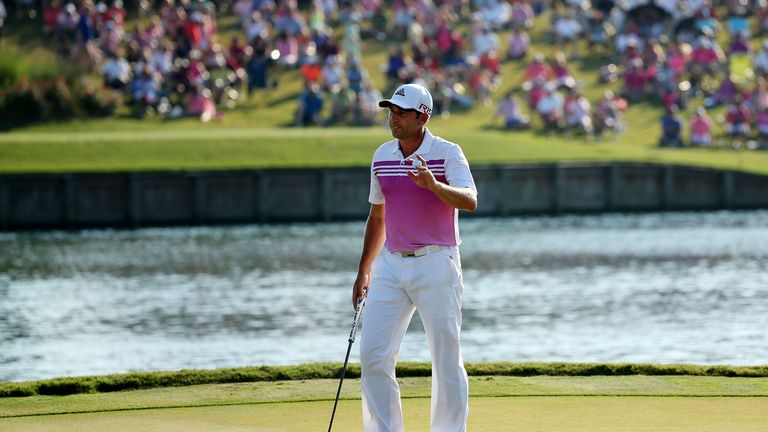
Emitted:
<point x="289" y="97"/>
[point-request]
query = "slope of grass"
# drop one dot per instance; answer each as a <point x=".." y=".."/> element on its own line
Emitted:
<point x="412" y="387"/>
<point x="198" y="148"/>
<point x="146" y="380"/>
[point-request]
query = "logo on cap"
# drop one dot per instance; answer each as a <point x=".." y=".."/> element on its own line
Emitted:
<point x="400" y="92"/>
<point x="425" y="108"/>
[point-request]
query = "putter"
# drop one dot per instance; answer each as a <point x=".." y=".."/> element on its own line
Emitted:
<point x="351" y="340"/>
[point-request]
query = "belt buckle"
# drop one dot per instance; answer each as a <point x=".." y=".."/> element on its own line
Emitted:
<point x="420" y="252"/>
<point x="424" y="250"/>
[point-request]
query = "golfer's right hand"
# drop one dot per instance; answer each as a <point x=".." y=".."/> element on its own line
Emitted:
<point x="357" y="289"/>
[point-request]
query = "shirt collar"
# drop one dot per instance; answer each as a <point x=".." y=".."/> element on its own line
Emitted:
<point x="426" y="145"/>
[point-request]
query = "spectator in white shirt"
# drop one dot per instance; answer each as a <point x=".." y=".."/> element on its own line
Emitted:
<point x="485" y="41"/>
<point x="258" y="27"/>
<point x="497" y="13"/>
<point x="3" y="15"/>
<point x="117" y="72"/>
<point x="550" y="108"/>
<point x="243" y="9"/>
<point x="578" y="113"/>
<point x="567" y="32"/>
<point x="332" y="72"/>
<point x="761" y="59"/>
<point x="162" y="59"/>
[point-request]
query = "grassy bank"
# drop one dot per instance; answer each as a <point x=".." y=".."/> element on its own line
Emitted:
<point x="198" y="148"/>
<point x="272" y="392"/>
<point x="148" y="380"/>
<point x="497" y="403"/>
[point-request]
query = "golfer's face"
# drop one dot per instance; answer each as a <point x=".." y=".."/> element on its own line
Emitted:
<point x="403" y="123"/>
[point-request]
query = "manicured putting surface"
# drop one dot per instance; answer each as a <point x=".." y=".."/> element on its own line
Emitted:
<point x="491" y="414"/>
<point x="635" y="403"/>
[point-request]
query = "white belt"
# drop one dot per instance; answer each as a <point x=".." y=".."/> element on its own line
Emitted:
<point x="426" y="250"/>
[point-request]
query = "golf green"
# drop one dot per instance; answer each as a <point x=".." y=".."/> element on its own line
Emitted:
<point x="526" y="413"/>
<point x="540" y="403"/>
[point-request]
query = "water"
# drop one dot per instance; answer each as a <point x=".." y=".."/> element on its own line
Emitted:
<point x="668" y="288"/>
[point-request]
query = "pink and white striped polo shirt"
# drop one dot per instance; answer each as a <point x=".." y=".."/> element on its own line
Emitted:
<point x="416" y="217"/>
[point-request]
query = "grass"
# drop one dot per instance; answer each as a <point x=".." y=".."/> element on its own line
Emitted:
<point x="259" y="132"/>
<point x="148" y="380"/>
<point x="201" y="148"/>
<point x="551" y="414"/>
<point x="497" y="403"/>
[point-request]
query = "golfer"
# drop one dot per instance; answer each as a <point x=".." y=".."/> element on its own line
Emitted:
<point x="418" y="183"/>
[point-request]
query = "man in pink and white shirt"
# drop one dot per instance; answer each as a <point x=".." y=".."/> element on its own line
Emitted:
<point x="410" y="261"/>
<point x="701" y="128"/>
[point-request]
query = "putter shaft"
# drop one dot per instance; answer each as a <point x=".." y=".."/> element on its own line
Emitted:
<point x="351" y="340"/>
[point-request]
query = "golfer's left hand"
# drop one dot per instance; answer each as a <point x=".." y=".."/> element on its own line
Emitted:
<point x="423" y="177"/>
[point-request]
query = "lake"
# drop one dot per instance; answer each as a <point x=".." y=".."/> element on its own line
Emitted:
<point x="662" y="287"/>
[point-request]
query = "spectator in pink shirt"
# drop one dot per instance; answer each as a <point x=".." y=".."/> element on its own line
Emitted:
<point x="200" y="104"/>
<point x="538" y="70"/>
<point x="707" y="56"/>
<point x="761" y="123"/>
<point x="509" y="109"/>
<point x="535" y="91"/>
<point x="288" y="48"/>
<point x="635" y="81"/>
<point x="560" y="69"/>
<point x="737" y="118"/>
<point x="518" y="44"/>
<point x="677" y="57"/>
<point x="522" y="15"/>
<point x="701" y="129"/>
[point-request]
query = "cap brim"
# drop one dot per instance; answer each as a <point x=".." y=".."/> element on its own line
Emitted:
<point x="387" y="103"/>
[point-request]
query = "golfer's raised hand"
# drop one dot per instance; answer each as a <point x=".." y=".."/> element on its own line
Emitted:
<point x="357" y="289"/>
<point x="423" y="177"/>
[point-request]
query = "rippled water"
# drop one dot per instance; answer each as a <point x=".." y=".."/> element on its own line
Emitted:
<point x="669" y="288"/>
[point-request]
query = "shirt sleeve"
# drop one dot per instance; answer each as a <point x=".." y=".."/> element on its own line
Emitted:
<point x="457" y="170"/>
<point x="375" y="196"/>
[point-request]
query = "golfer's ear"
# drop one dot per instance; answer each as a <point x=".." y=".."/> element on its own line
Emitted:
<point x="424" y="117"/>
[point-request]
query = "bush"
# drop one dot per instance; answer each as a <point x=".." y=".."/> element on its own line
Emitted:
<point x="58" y="102"/>
<point x="97" y="103"/>
<point x="20" y="105"/>
<point x="146" y="380"/>
<point x="18" y="63"/>
<point x="8" y="73"/>
<point x="17" y="390"/>
<point x="66" y="386"/>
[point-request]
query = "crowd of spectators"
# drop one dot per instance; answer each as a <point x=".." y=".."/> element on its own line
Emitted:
<point x="170" y="63"/>
<point x="665" y="52"/>
<point x="661" y="52"/>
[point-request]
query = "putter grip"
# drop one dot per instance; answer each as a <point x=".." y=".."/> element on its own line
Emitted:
<point x="358" y="314"/>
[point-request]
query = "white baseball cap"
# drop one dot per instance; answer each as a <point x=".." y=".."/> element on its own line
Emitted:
<point x="410" y="96"/>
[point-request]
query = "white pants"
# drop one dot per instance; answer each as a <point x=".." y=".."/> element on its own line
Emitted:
<point x="431" y="284"/>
